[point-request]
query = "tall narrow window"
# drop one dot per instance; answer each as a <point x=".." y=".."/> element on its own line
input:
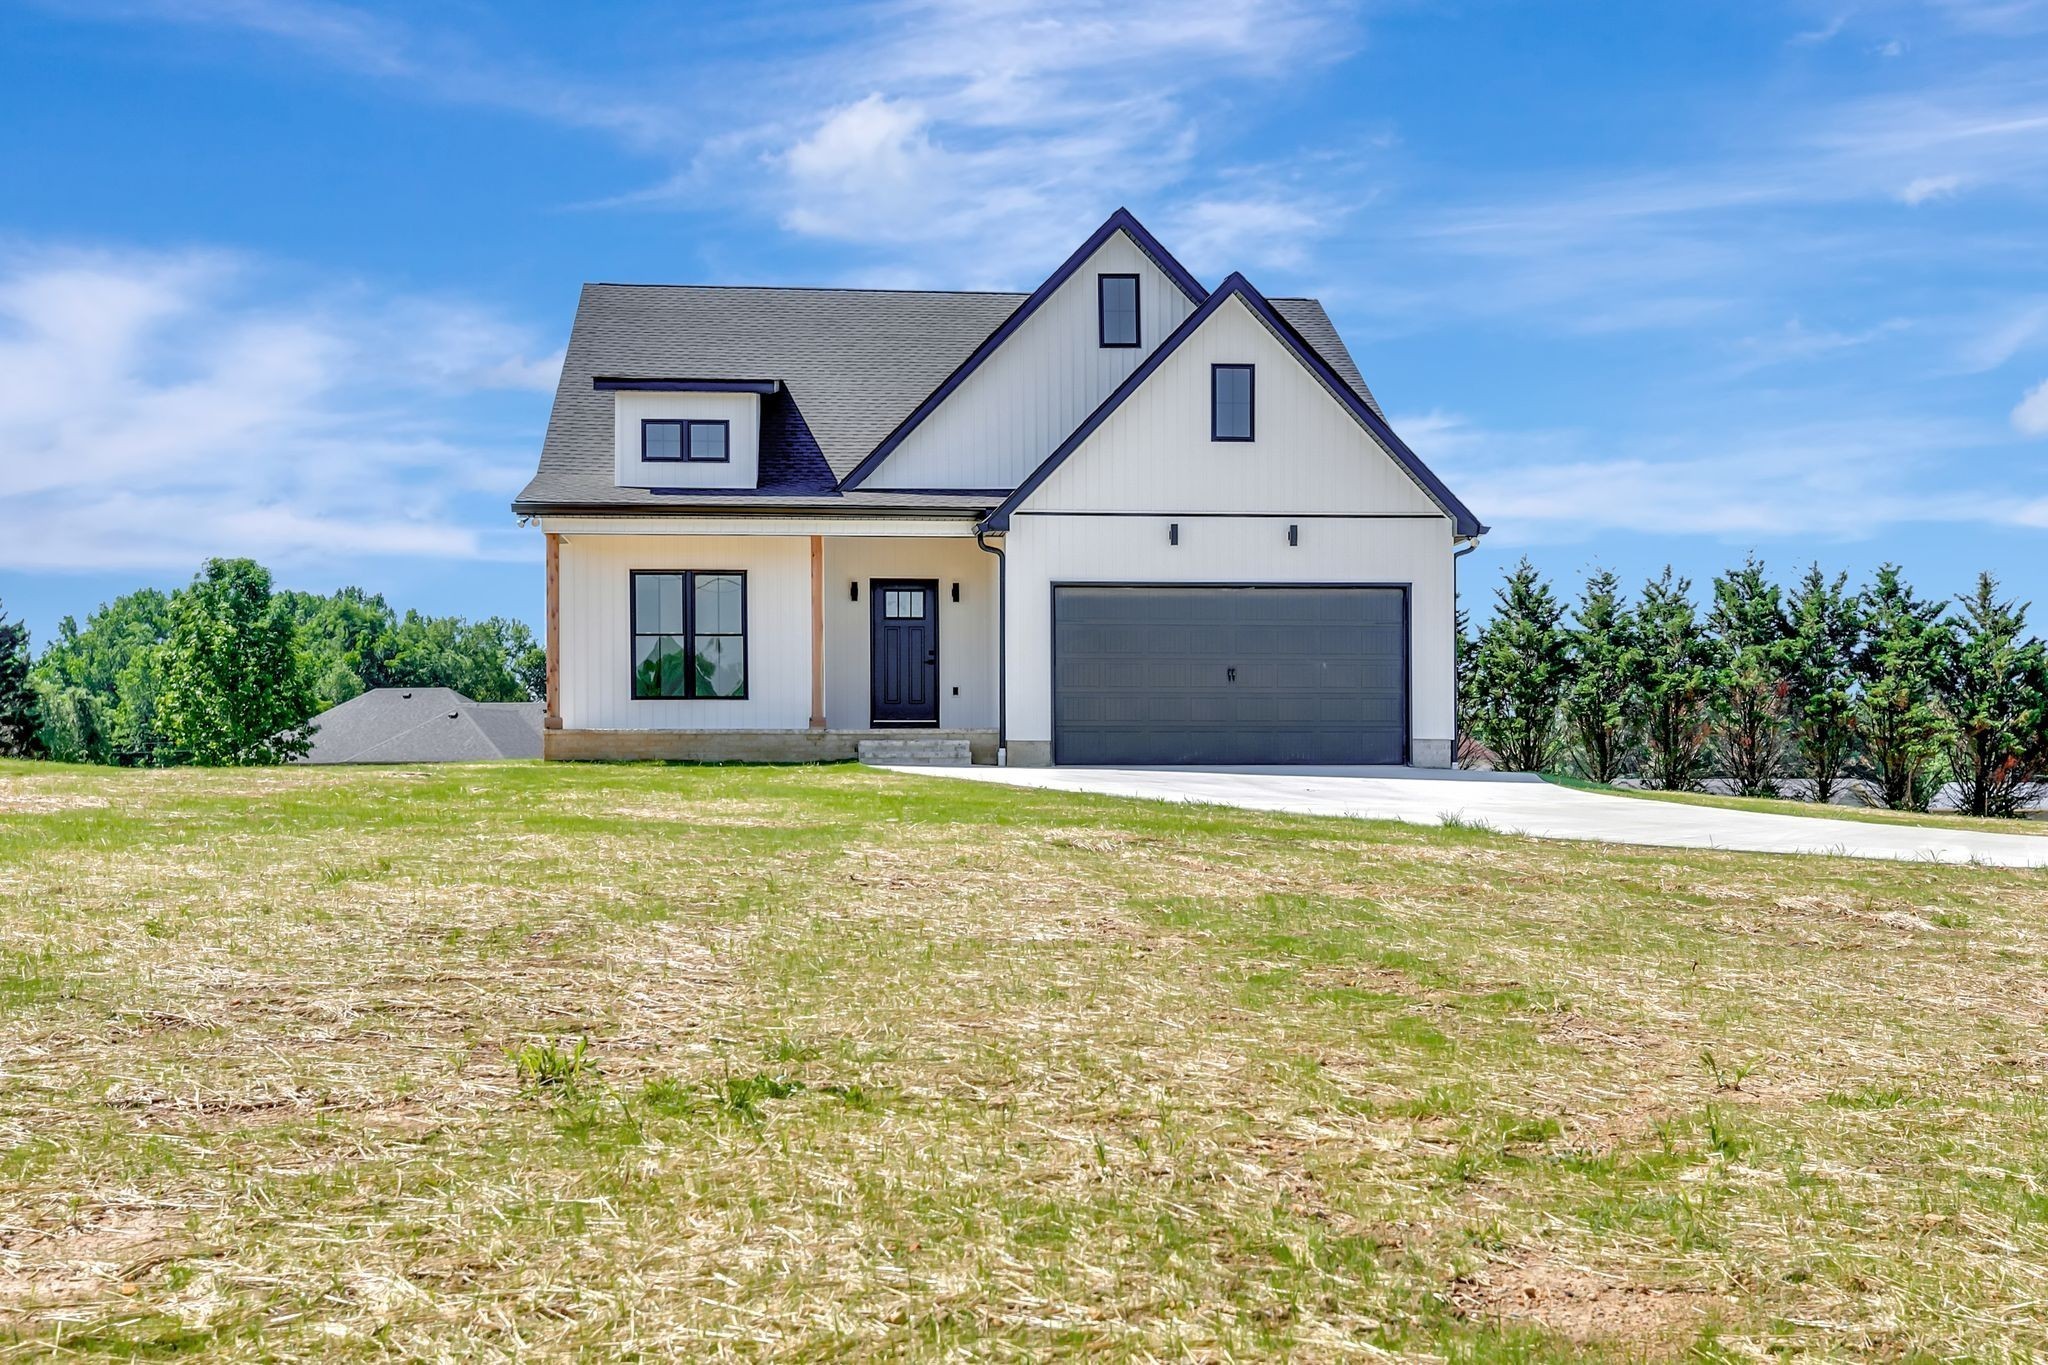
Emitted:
<point x="1116" y="300"/>
<point x="1230" y="402"/>
<point x="667" y="440"/>
<point x="689" y="635"/>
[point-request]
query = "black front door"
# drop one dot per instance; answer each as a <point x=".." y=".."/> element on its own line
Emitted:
<point x="905" y="648"/>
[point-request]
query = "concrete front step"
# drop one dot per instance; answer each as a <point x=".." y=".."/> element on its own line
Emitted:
<point x="927" y="753"/>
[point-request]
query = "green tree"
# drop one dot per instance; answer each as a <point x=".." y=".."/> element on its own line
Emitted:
<point x="1826" y="622"/>
<point x="17" y="699"/>
<point x="95" y="697"/>
<point x="1521" y="669"/>
<point x="1991" y="684"/>
<point x="233" y="689"/>
<point x="1676" y="680"/>
<point x="1905" y="647"/>
<point x="529" y="663"/>
<point x="1596" y="708"/>
<point x="346" y="640"/>
<point x="1749" y="627"/>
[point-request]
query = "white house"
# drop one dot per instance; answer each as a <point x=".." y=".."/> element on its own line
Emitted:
<point x="1124" y="519"/>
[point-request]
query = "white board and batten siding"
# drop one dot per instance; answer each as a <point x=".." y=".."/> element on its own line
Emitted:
<point x="1309" y="453"/>
<point x="597" y="631"/>
<point x="967" y="628"/>
<point x="1039" y="385"/>
<point x="596" y="627"/>
<point x="1104" y="516"/>
<point x="741" y="411"/>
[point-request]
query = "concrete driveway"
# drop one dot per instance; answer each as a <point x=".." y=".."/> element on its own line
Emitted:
<point x="1515" y="803"/>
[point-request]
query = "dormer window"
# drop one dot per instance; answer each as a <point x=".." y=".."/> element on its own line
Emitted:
<point x="1230" y="402"/>
<point x="1116" y="309"/>
<point x="685" y="441"/>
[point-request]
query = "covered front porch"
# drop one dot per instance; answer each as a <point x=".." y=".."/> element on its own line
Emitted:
<point x="847" y="629"/>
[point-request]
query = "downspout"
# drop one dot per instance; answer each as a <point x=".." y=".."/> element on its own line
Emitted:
<point x="1457" y="707"/>
<point x="1002" y="644"/>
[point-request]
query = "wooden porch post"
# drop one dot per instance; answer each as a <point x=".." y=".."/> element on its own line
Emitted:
<point x="817" y="632"/>
<point x="554" y="629"/>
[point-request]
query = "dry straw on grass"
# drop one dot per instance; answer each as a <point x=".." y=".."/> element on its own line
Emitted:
<point x="871" y="1065"/>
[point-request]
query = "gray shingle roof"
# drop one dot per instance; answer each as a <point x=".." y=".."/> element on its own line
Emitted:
<point x="853" y="364"/>
<point x="424" y="725"/>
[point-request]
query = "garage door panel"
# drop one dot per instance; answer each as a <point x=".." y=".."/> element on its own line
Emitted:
<point x="1144" y="675"/>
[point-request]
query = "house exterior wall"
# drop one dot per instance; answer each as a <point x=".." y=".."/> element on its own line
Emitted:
<point x="1039" y="385"/>
<point x="741" y="410"/>
<point x="967" y="628"/>
<point x="1309" y="453"/>
<point x="597" y="624"/>
<point x="1047" y="549"/>
<point x="594" y="592"/>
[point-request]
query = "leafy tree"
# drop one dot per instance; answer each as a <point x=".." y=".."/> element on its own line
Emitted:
<point x="1521" y="669"/>
<point x="1596" y="708"/>
<point x="17" y="698"/>
<point x="530" y="665"/>
<point x="473" y="657"/>
<point x="1992" y="685"/>
<point x="347" y="639"/>
<point x="1749" y="626"/>
<point x="1826" y="623"/>
<point x="95" y="702"/>
<point x="1906" y="645"/>
<point x="1675" y="681"/>
<point x="234" y="692"/>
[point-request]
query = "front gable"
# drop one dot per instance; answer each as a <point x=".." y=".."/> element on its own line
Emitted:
<point x="1039" y="377"/>
<point x="1316" y="448"/>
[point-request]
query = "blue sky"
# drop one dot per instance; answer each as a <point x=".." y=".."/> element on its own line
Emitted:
<point x="1644" y="282"/>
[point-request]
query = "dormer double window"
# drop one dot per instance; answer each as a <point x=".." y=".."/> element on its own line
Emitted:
<point x="685" y="441"/>
<point x="1116" y="311"/>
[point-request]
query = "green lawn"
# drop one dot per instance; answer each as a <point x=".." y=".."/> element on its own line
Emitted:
<point x="1811" y="810"/>
<point x="887" y="1066"/>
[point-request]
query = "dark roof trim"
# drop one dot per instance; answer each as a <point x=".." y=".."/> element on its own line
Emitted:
<point x="1463" y="522"/>
<point x="690" y="385"/>
<point x="966" y="511"/>
<point x="1120" y="221"/>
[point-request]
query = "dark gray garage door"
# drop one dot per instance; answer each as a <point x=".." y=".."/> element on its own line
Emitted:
<point x="1229" y="675"/>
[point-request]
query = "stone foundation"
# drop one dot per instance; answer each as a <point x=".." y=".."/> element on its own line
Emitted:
<point x="739" y="746"/>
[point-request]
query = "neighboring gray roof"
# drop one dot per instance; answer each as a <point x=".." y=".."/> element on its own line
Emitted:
<point x="853" y="364"/>
<point x="424" y="725"/>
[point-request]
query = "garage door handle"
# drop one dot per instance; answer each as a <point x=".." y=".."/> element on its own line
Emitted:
<point x="932" y="657"/>
<point x="1230" y="674"/>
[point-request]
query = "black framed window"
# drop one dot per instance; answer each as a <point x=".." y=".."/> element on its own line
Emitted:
<point x="685" y="440"/>
<point x="1230" y="402"/>
<point x="1116" y="309"/>
<point x="689" y="635"/>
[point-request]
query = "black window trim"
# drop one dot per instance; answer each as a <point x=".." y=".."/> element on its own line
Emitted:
<point x="1251" y="400"/>
<point x="634" y="633"/>
<point x="683" y="455"/>
<point x="1102" y="314"/>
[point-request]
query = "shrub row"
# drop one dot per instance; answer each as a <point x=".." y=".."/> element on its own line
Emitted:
<point x="1761" y="686"/>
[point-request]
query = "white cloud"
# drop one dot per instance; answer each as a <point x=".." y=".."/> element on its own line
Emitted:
<point x="1247" y="232"/>
<point x="1992" y="345"/>
<point x="1923" y="188"/>
<point x="1851" y="479"/>
<point x="983" y="134"/>
<point x="2030" y="418"/>
<point x="156" y="408"/>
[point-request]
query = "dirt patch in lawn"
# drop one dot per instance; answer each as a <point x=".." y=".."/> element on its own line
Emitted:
<point x="1582" y="1305"/>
